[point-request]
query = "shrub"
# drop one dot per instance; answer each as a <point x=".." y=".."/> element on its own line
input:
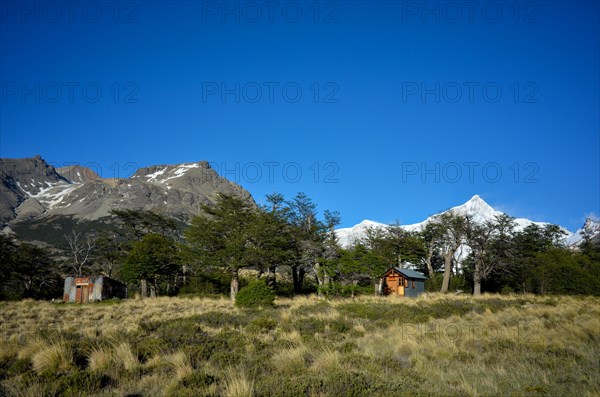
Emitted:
<point x="261" y="324"/>
<point x="256" y="294"/>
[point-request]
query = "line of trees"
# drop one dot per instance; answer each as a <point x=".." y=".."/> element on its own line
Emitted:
<point x="293" y="247"/>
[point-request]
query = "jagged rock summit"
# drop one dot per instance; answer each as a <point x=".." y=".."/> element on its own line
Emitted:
<point x="31" y="189"/>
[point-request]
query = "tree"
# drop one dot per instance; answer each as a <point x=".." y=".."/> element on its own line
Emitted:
<point x="32" y="271"/>
<point x="357" y="264"/>
<point x="309" y="234"/>
<point x="331" y="249"/>
<point x="452" y="229"/>
<point x="111" y="252"/>
<point x="80" y="251"/>
<point x="272" y="239"/>
<point x="560" y="271"/>
<point x="223" y="238"/>
<point x="7" y="249"/>
<point x="526" y="246"/>
<point x="134" y="224"/>
<point x="150" y="258"/>
<point x="479" y="238"/>
<point x="433" y="234"/>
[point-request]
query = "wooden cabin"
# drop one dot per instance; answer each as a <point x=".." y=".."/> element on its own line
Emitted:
<point x="402" y="282"/>
<point x="86" y="289"/>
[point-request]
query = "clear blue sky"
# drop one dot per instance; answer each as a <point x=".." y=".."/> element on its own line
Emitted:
<point x="404" y="111"/>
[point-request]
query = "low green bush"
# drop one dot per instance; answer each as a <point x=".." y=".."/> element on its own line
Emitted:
<point x="256" y="294"/>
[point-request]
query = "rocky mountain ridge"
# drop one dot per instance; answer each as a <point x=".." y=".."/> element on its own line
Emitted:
<point x="33" y="190"/>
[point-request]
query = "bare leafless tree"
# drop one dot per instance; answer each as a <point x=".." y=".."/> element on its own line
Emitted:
<point x="80" y="251"/>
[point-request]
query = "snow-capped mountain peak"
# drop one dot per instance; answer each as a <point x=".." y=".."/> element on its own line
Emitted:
<point x="591" y="227"/>
<point x="476" y="208"/>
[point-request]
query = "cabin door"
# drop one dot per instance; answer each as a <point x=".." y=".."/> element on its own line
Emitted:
<point x="391" y="284"/>
<point x="85" y="294"/>
<point x="401" y="287"/>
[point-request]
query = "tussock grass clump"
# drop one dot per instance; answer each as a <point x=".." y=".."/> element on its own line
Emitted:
<point x="290" y="360"/>
<point x="326" y="360"/>
<point x="237" y="384"/>
<point x="112" y="359"/>
<point x="51" y="357"/>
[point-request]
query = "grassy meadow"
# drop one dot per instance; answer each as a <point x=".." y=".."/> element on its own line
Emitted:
<point x="450" y="345"/>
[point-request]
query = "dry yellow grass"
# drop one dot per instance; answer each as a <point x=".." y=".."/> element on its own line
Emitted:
<point x="237" y="384"/>
<point x="18" y="320"/>
<point x="55" y="357"/>
<point x="290" y="360"/>
<point x="516" y="344"/>
<point x="326" y="360"/>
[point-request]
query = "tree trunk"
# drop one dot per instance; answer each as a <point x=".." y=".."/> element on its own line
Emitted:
<point x="297" y="288"/>
<point x="319" y="275"/>
<point x="447" y="269"/>
<point x="477" y="288"/>
<point x="477" y="279"/>
<point x="235" y="285"/>
<point x="428" y="260"/>
<point x="301" y="274"/>
<point x="272" y="277"/>
<point x="144" y="284"/>
<point x="153" y="289"/>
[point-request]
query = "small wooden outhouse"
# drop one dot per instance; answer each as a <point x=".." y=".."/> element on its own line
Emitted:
<point x="83" y="289"/>
<point x="402" y="282"/>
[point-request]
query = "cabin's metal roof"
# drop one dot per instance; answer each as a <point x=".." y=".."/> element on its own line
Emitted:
<point x="411" y="273"/>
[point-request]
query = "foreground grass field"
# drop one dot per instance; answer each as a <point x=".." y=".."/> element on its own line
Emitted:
<point x="435" y="345"/>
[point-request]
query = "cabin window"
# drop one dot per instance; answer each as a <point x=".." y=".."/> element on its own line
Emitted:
<point x="413" y="284"/>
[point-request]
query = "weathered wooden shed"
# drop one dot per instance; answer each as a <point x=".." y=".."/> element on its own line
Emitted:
<point x="83" y="289"/>
<point x="402" y="282"/>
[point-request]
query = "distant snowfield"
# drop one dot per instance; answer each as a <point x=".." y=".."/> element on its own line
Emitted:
<point x="476" y="208"/>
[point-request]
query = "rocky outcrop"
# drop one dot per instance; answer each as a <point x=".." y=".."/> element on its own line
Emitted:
<point x="32" y="190"/>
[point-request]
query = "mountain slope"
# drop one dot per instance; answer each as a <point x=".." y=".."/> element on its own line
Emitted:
<point x="21" y="179"/>
<point x="591" y="227"/>
<point x="33" y="192"/>
<point x="476" y="208"/>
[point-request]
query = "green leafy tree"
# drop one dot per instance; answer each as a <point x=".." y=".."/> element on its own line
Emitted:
<point x="359" y="264"/>
<point x="309" y="234"/>
<point x="224" y="238"/>
<point x="134" y="224"/>
<point x="7" y="249"/>
<point x="272" y="238"/>
<point x="560" y="271"/>
<point x="32" y="272"/>
<point x="527" y="245"/>
<point x="111" y="252"/>
<point x="152" y="257"/>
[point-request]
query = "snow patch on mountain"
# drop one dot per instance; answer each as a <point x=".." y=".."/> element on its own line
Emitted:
<point x="167" y="173"/>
